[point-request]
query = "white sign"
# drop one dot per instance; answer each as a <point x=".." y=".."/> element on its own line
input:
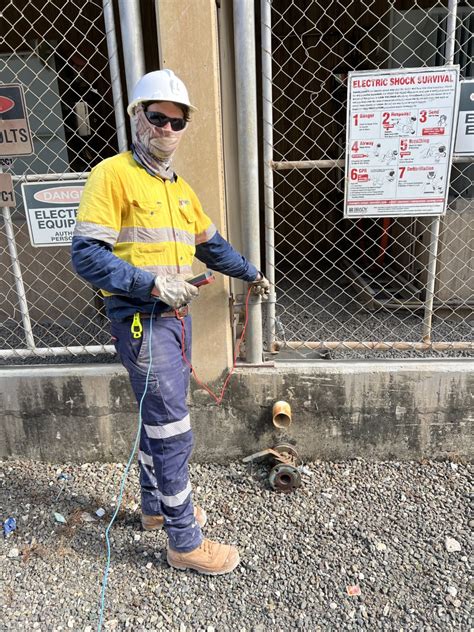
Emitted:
<point x="51" y="209"/>
<point x="464" y="145"/>
<point x="400" y="141"/>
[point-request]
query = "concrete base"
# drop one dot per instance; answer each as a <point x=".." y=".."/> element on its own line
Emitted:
<point x="376" y="410"/>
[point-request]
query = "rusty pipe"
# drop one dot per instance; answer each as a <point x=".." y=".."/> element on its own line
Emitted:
<point x="281" y="414"/>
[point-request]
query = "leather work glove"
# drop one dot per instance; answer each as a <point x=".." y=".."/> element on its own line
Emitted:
<point x="174" y="290"/>
<point x="261" y="286"/>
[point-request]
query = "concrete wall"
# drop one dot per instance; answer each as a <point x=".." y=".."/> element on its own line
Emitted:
<point x="377" y="410"/>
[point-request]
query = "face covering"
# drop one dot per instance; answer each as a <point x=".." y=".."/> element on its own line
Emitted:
<point x="154" y="146"/>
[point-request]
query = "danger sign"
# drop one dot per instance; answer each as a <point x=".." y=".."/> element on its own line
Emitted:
<point x="51" y="209"/>
<point x="15" y="134"/>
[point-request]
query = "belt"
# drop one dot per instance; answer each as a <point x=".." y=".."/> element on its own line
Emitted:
<point x="181" y="313"/>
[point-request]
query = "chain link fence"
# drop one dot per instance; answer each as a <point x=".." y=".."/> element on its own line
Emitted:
<point x="356" y="287"/>
<point x="58" y="52"/>
<point x="349" y="287"/>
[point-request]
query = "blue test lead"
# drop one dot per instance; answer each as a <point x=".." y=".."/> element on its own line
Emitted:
<point x="122" y="484"/>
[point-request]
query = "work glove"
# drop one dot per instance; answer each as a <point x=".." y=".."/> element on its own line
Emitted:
<point x="174" y="290"/>
<point x="261" y="286"/>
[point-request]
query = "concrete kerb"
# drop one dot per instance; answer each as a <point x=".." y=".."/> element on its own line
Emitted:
<point x="382" y="409"/>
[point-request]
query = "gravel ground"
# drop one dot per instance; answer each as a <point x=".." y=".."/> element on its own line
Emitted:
<point x="398" y="531"/>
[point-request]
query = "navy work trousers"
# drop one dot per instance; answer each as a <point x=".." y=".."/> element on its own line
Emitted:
<point x="166" y="439"/>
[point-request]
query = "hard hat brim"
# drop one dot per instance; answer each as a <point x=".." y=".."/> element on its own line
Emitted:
<point x="135" y="102"/>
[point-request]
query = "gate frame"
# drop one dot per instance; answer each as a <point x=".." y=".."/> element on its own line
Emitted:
<point x="269" y="165"/>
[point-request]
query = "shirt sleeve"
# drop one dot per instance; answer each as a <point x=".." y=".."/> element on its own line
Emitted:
<point x="100" y="211"/>
<point x="94" y="262"/>
<point x="97" y="228"/>
<point x="220" y="256"/>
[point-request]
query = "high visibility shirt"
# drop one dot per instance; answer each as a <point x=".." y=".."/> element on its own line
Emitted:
<point x="133" y="226"/>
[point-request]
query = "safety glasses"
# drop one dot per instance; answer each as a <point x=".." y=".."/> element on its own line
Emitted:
<point x="160" y="120"/>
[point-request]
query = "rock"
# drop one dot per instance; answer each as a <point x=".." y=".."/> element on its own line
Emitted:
<point x="452" y="545"/>
<point x="14" y="552"/>
<point x="87" y="517"/>
<point x="59" y="518"/>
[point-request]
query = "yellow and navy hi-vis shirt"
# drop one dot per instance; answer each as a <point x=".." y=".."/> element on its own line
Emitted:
<point x="151" y="223"/>
<point x="155" y="227"/>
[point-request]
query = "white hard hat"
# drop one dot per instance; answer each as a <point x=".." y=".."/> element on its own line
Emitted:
<point x="160" y="85"/>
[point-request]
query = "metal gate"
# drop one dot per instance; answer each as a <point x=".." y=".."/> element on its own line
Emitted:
<point x="357" y="288"/>
<point x="65" y="56"/>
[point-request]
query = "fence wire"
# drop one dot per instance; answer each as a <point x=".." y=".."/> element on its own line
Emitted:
<point x="338" y="281"/>
<point x="58" y="51"/>
<point x="345" y="287"/>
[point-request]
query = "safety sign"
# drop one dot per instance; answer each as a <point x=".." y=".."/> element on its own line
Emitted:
<point x="51" y="209"/>
<point x="15" y="134"/>
<point x="464" y="145"/>
<point x="400" y="136"/>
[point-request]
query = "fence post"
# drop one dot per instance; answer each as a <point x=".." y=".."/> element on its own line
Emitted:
<point x="115" y="74"/>
<point x="246" y="93"/>
<point x="132" y="42"/>
<point x="20" y="288"/>
<point x="267" y="105"/>
<point x="436" y="222"/>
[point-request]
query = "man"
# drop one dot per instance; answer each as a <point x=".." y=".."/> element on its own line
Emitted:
<point x="138" y="228"/>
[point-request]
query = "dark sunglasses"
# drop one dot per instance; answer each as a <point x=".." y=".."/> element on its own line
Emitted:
<point x="160" y="120"/>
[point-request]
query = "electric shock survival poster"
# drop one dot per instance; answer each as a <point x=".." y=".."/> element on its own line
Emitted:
<point x="400" y="141"/>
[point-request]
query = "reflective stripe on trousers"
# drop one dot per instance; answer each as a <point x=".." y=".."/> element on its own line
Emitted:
<point x="166" y="439"/>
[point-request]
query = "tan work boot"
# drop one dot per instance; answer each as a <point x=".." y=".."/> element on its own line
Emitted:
<point x="152" y="523"/>
<point x="211" y="558"/>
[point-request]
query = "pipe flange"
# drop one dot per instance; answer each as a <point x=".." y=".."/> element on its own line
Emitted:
<point x="284" y="478"/>
<point x="287" y="448"/>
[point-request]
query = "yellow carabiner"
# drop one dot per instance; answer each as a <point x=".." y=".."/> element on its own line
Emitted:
<point x="136" y="327"/>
